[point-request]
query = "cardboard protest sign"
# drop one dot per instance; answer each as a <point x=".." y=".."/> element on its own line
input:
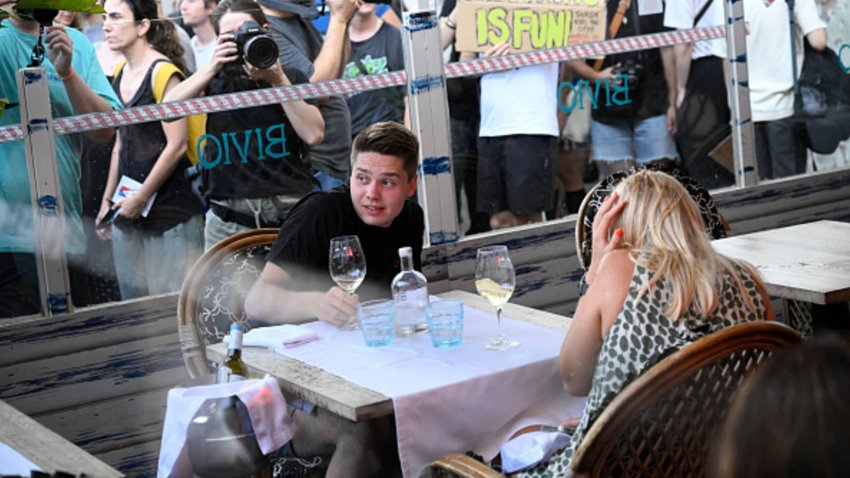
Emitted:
<point x="528" y="24"/>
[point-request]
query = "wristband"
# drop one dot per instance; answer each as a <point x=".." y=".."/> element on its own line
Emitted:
<point x="71" y="73"/>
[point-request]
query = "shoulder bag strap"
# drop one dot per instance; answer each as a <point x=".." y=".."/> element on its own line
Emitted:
<point x="614" y="27"/>
<point x="798" y="101"/>
<point x="702" y="12"/>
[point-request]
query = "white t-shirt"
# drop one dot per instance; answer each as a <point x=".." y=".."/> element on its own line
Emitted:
<point x="680" y="14"/>
<point x="769" y="54"/>
<point x="203" y="55"/>
<point x="520" y="101"/>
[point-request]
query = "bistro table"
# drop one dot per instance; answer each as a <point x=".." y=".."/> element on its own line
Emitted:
<point x="458" y="402"/>
<point x="802" y="264"/>
<point x="44" y="448"/>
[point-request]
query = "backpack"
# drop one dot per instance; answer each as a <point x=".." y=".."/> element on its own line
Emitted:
<point x="196" y="125"/>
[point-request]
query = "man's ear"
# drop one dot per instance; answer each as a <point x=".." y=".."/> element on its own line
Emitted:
<point x="411" y="185"/>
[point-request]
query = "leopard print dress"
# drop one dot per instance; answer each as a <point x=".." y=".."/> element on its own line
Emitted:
<point x="640" y="337"/>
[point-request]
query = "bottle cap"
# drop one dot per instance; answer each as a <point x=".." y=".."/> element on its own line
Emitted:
<point x="236" y="326"/>
<point x="405" y="251"/>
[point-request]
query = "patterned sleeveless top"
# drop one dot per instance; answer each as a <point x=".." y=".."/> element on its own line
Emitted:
<point x="640" y="337"/>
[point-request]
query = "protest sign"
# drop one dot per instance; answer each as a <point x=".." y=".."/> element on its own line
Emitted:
<point x="528" y="24"/>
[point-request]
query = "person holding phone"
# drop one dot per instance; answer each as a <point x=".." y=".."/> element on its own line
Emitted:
<point x="156" y="232"/>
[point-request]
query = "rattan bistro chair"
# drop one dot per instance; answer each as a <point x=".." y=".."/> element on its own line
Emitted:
<point x="715" y="225"/>
<point x="214" y="291"/>
<point x="664" y="422"/>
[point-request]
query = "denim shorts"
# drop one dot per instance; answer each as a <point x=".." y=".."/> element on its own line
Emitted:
<point x="642" y="140"/>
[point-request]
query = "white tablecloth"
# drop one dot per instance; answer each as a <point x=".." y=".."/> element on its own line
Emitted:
<point x="457" y="399"/>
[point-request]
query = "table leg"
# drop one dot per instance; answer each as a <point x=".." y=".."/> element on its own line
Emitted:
<point x="798" y="315"/>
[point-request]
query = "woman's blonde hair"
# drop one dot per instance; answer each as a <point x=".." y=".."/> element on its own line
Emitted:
<point x="663" y="229"/>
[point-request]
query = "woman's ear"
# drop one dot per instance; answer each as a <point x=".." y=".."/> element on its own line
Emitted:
<point x="144" y="26"/>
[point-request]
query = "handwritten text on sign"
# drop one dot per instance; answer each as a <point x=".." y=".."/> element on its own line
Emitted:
<point x="528" y="24"/>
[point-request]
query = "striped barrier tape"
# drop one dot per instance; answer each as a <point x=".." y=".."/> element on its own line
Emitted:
<point x="304" y="91"/>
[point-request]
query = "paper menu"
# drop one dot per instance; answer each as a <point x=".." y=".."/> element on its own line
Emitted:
<point x="127" y="187"/>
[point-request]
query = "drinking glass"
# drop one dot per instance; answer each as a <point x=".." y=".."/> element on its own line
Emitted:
<point x="495" y="281"/>
<point x="347" y="265"/>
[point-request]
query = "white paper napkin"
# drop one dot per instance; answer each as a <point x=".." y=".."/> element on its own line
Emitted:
<point x="530" y="449"/>
<point x="278" y="336"/>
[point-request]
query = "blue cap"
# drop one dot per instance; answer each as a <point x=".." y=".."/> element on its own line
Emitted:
<point x="236" y="326"/>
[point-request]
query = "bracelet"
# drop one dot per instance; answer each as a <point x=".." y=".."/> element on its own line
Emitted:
<point x="71" y="73"/>
<point x="450" y="23"/>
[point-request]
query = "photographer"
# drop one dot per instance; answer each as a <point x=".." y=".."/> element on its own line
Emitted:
<point x="254" y="165"/>
<point x="641" y="129"/>
<point x="76" y="86"/>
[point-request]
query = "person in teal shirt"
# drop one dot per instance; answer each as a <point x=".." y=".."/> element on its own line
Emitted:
<point x="77" y="85"/>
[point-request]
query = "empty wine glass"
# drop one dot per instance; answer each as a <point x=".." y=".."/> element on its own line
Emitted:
<point x="495" y="281"/>
<point x="347" y="265"/>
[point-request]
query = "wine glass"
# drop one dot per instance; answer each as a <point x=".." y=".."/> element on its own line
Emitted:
<point x="495" y="281"/>
<point x="347" y="265"/>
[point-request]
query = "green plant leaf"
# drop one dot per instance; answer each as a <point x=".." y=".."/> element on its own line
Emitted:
<point x="3" y="103"/>
<point x="70" y="5"/>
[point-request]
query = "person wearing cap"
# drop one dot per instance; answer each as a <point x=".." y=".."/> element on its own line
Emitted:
<point x="302" y="48"/>
<point x="295" y="284"/>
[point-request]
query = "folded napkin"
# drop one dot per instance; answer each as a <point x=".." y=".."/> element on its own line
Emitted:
<point x="530" y="449"/>
<point x="278" y="336"/>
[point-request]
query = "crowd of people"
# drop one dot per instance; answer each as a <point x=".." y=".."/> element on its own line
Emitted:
<point x="335" y="166"/>
<point x="227" y="172"/>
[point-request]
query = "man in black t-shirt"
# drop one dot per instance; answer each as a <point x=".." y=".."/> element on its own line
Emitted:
<point x="295" y="283"/>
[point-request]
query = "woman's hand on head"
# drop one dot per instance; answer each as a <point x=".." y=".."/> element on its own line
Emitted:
<point x="602" y="242"/>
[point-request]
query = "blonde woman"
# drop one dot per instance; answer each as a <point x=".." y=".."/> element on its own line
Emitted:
<point x="655" y="285"/>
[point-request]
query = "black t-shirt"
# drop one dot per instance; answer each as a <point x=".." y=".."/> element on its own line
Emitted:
<point x="649" y="97"/>
<point x="381" y="53"/>
<point x="254" y="152"/>
<point x="463" y="93"/>
<point x="302" y="244"/>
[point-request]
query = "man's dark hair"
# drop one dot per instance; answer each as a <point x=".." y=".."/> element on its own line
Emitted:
<point x="238" y="6"/>
<point x="388" y="138"/>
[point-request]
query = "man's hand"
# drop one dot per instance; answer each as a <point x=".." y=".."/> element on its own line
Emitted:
<point x="272" y="75"/>
<point x="671" y="120"/>
<point x="59" y="49"/>
<point x="344" y="10"/>
<point x="225" y="51"/>
<point x="338" y="307"/>
<point x="498" y="50"/>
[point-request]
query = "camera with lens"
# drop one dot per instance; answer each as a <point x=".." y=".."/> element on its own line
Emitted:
<point x="631" y="69"/>
<point x="254" y="45"/>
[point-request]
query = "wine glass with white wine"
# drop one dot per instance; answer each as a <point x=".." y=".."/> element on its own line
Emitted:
<point x="495" y="281"/>
<point x="347" y="265"/>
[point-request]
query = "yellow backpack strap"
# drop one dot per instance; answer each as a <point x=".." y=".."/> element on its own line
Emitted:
<point x="163" y="74"/>
<point x="118" y="68"/>
<point x="196" y="124"/>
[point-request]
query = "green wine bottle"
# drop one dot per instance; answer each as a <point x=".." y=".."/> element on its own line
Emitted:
<point x="233" y="369"/>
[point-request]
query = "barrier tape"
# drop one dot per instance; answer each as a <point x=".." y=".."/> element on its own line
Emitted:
<point x="304" y="91"/>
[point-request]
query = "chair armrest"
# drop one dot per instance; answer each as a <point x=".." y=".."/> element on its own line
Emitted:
<point x="458" y="465"/>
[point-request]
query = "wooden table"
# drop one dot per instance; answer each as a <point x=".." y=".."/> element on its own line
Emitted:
<point x="47" y="449"/>
<point x="804" y="263"/>
<point x="340" y="396"/>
